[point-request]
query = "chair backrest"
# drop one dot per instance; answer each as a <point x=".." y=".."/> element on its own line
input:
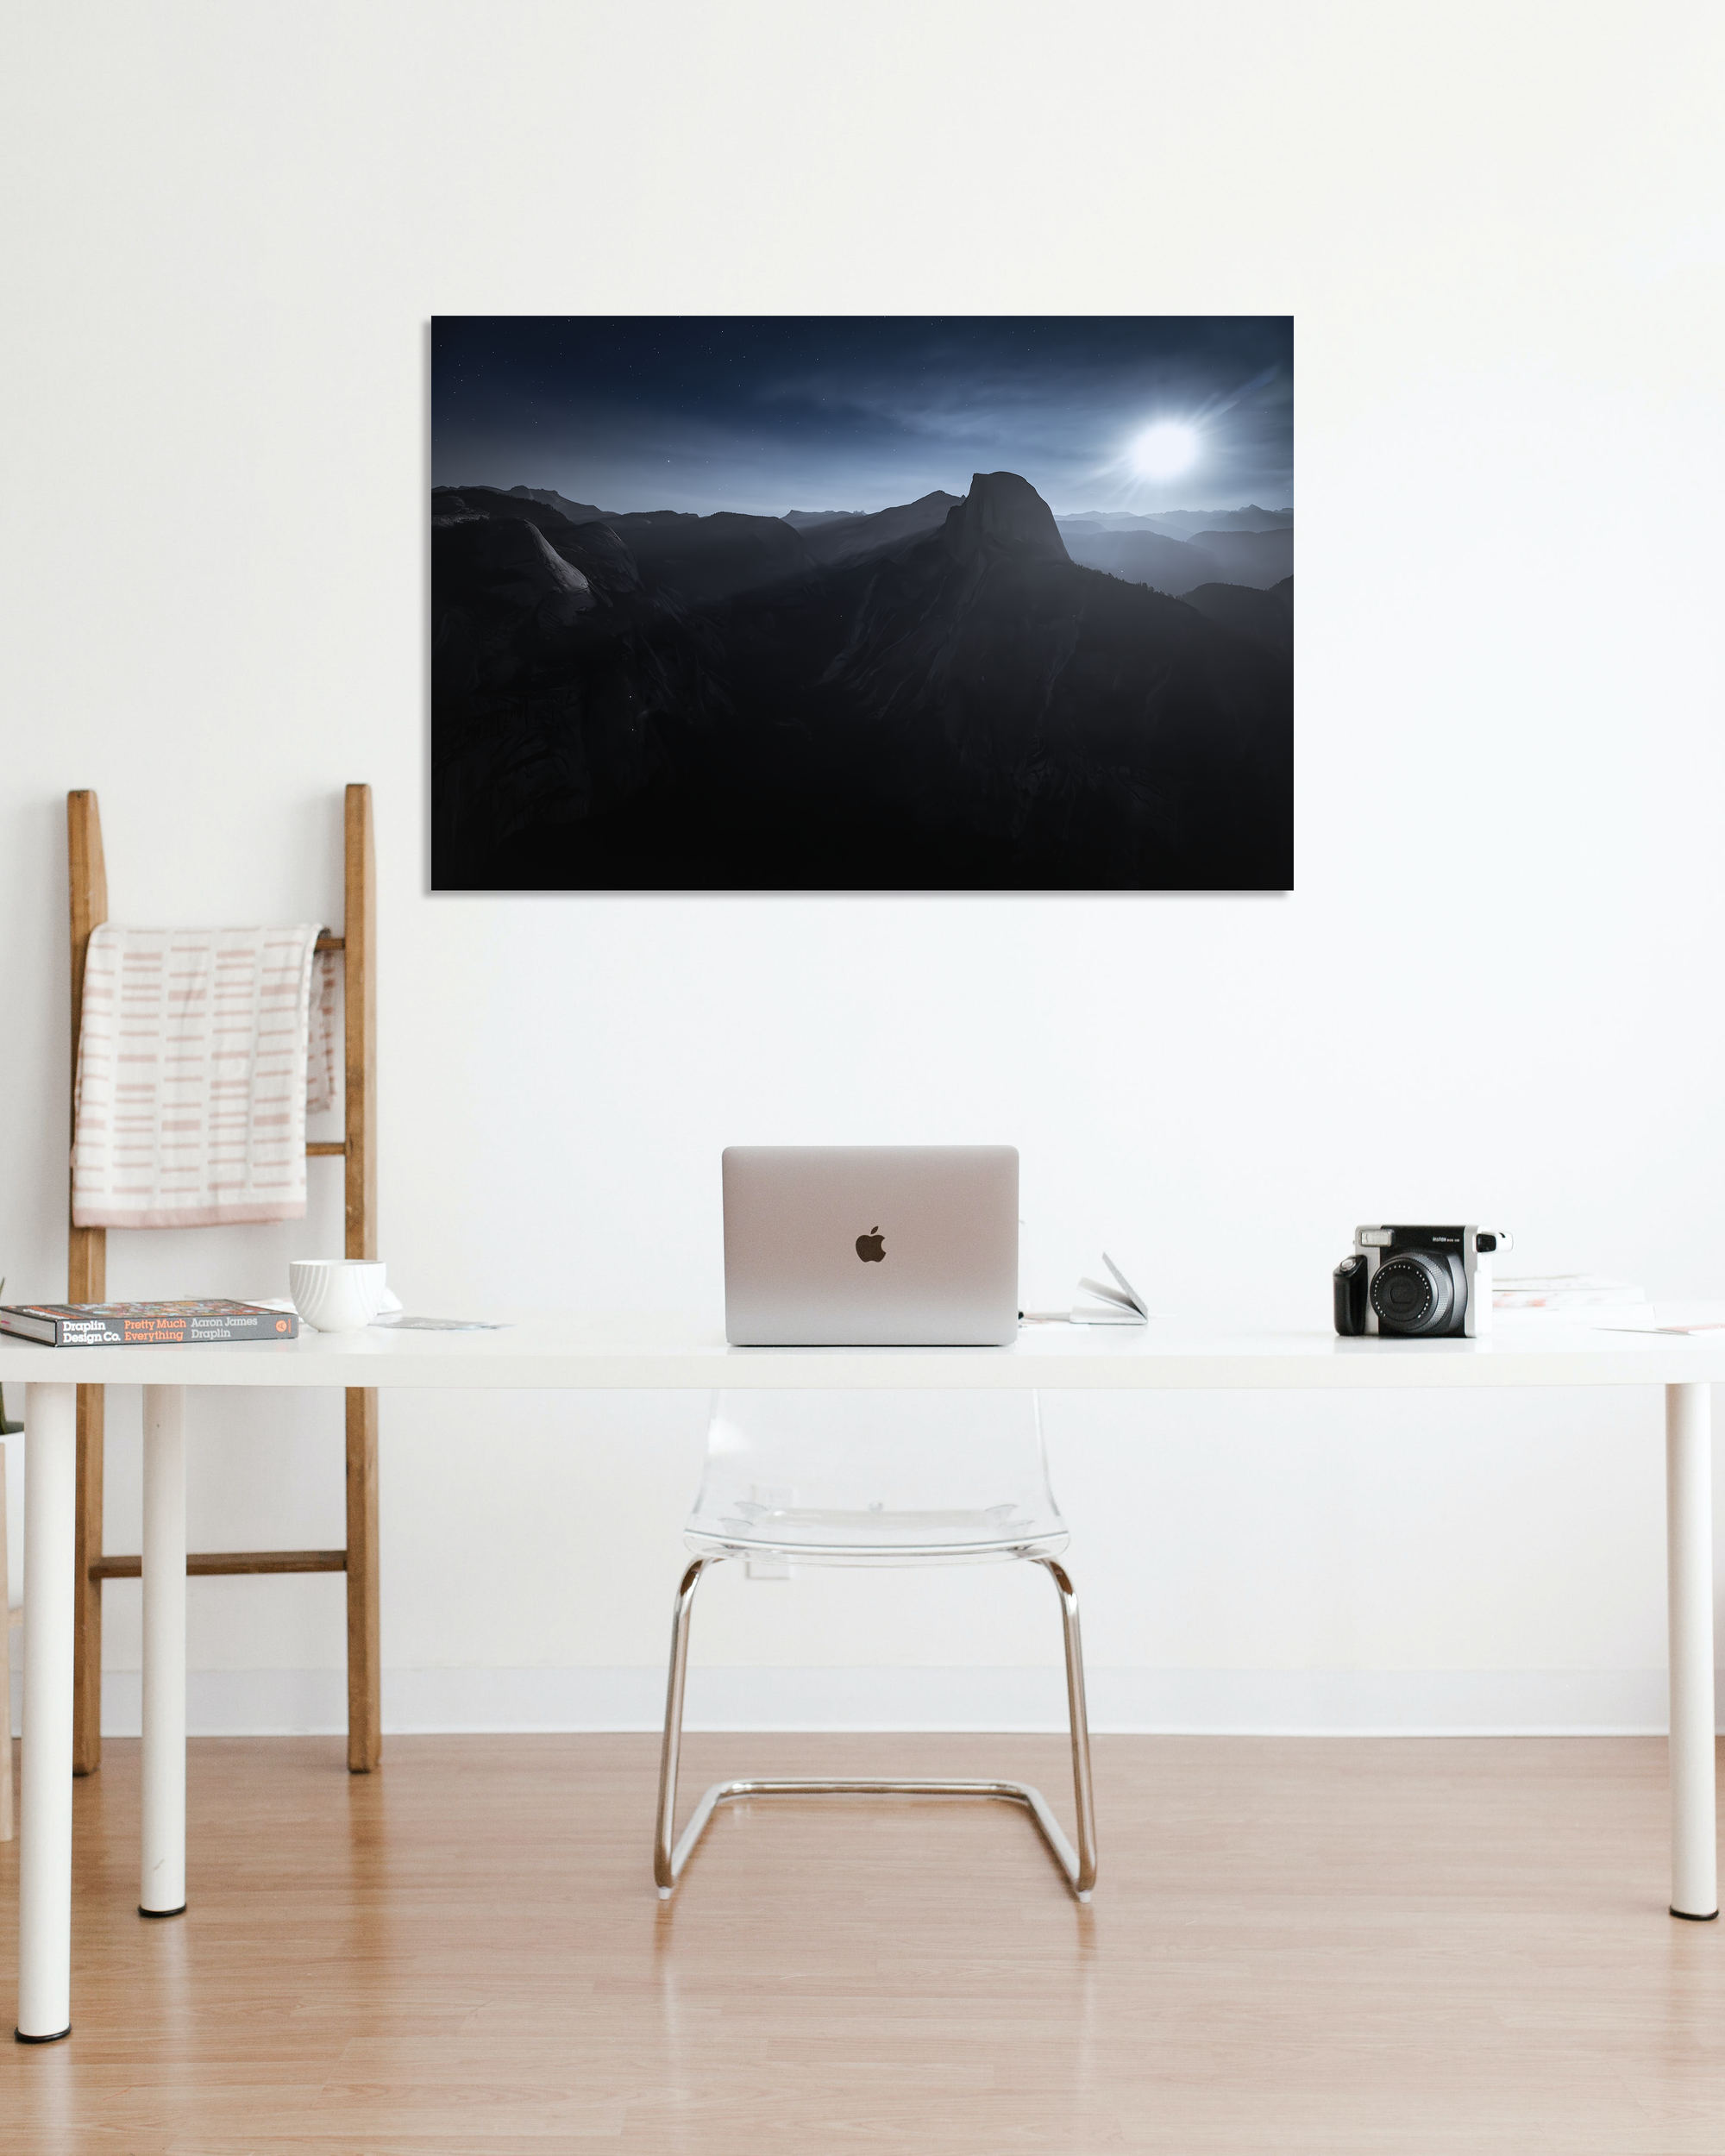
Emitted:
<point x="858" y="1452"/>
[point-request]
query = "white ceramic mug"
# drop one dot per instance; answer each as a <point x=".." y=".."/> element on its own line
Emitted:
<point x="337" y="1294"/>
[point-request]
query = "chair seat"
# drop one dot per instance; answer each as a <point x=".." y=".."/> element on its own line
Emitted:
<point x="877" y="1536"/>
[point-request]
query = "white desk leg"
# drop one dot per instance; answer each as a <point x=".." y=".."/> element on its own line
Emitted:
<point x="162" y="1892"/>
<point x="45" y="1840"/>
<point x="1688" y="1581"/>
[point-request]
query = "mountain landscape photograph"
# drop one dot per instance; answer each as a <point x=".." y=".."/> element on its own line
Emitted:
<point x="869" y="603"/>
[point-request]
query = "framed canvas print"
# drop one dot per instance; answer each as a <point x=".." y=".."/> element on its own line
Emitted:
<point x="862" y="603"/>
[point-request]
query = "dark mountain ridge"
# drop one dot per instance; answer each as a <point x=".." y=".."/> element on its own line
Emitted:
<point x="1262" y="558"/>
<point x="1002" y="515"/>
<point x="547" y="498"/>
<point x="1070" y="722"/>
<point x="961" y="705"/>
<point x="549" y="658"/>
<point x="706" y="558"/>
<point x="835" y="540"/>
<point x="1267" y="616"/>
<point x="1145" y="557"/>
<point x="1181" y="523"/>
<point x="577" y="512"/>
<point x="692" y="559"/>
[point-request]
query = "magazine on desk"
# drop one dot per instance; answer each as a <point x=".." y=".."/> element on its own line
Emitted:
<point x="1119" y="1305"/>
<point x="144" y="1324"/>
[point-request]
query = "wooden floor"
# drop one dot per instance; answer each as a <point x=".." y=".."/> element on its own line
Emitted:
<point x="1321" y="1945"/>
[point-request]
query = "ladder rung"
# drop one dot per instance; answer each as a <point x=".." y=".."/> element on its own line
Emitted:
<point x="330" y="943"/>
<point x="230" y="1560"/>
<point x="324" y="1148"/>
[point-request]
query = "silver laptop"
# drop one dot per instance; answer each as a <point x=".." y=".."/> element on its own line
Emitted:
<point x="871" y="1245"/>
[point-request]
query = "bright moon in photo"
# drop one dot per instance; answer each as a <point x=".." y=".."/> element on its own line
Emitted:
<point x="1165" y="450"/>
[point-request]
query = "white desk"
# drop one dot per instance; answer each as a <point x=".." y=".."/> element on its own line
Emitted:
<point x="662" y="1354"/>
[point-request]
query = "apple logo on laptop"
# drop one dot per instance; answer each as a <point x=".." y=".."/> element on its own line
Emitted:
<point x="871" y="1248"/>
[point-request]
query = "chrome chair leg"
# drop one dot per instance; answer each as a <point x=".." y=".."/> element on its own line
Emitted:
<point x="665" y="1867"/>
<point x="1079" y="1866"/>
<point x="1078" y="1719"/>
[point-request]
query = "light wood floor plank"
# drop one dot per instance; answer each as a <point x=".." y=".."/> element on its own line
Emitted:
<point x="1448" y="1948"/>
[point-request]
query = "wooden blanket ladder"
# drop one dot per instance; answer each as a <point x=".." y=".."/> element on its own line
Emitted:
<point x="87" y="1271"/>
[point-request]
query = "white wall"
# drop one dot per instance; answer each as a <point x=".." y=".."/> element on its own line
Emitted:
<point x="1493" y="992"/>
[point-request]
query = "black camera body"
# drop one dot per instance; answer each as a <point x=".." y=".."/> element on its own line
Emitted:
<point x="1418" y="1283"/>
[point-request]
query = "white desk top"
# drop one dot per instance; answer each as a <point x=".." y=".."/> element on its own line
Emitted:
<point x="644" y="1353"/>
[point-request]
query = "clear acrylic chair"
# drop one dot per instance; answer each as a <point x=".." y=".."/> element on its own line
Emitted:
<point x="879" y="1478"/>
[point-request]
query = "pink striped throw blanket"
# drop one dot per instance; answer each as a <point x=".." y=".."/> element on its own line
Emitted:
<point x="320" y="1047"/>
<point x="193" y="1077"/>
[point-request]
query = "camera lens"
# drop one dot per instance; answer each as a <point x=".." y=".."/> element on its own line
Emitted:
<point x="1413" y="1293"/>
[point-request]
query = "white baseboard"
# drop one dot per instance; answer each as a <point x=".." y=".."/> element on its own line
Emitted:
<point x="1356" y="1703"/>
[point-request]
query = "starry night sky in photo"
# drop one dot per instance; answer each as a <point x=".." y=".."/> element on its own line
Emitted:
<point x="774" y="414"/>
